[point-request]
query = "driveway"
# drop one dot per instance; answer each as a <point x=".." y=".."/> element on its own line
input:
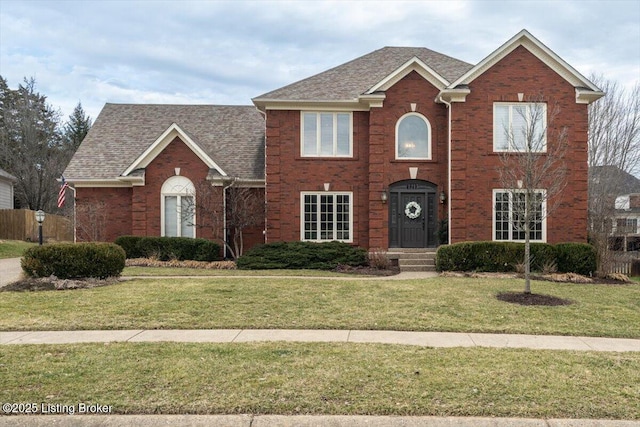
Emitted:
<point x="10" y="271"/>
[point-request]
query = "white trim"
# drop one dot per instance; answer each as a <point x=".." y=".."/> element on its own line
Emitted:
<point x="429" y="137"/>
<point x="162" y="142"/>
<point x="326" y="193"/>
<point x="511" y="192"/>
<point x="414" y="64"/>
<point x="319" y="135"/>
<point x="533" y="45"/>
<point x="90" y="183"/>
<point x="362" y="103"/>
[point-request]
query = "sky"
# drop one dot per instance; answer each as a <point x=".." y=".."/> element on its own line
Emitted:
<point x="227" y="52"/>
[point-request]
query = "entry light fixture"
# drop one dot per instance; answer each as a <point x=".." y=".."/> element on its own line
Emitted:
<point x="383" y="196"/>
<point x="443" y="197"/>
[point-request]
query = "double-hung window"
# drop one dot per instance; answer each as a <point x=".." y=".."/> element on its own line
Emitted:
<point x="326" y="216"/>
<point x="519" y="127"/>
<point x="509" y="213"/>
<point x="326" y="134"/>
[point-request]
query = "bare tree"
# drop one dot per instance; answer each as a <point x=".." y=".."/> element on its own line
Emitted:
<point x="532" y="171"/>
<point x="614" y="154"/>
<point x="242" y="208"/>
<point x="91" y="220"/>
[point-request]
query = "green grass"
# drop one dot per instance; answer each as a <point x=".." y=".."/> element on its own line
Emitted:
<point x="438" y="304"/>
<point x="179" y="271"/>
<point x="13" y="248"/>
<point x="321" y="378"/>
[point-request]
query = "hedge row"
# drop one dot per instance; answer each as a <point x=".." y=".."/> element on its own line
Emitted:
<point x="73" y="261"/>
<point x="169" y="248"/>
<point x="302" y="255"/>
<point x="504" y="256"/>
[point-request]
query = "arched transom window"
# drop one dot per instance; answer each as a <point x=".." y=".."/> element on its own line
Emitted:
<point x="178" y="207"/>
<point x="413" y="137"/>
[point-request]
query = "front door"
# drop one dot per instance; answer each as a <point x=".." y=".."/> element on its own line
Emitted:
<point x="412" y="215"/>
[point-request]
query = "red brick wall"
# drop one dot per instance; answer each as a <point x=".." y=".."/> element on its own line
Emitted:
<point x="371" y="170"/>
<point x="474" y="165"/>
<point x="136" y="210"/>
<point x="288" y="174"/>
<point x="102" y="213"/>
<point x="384" y="169"/>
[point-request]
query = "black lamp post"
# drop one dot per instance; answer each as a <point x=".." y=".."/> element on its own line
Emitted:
<point x="40" y="219"/>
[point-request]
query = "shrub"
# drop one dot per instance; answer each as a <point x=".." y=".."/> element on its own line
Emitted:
<point x="576" y="258"/>
<point x="378" y="259"/>
<point x="299" y="255"/>
<point x="74" y="261"/>
<point x="168" y="248"/>
<point x="492" y="256"/>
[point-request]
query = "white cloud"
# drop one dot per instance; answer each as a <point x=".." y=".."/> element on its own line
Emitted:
<point x="227" y="52"/>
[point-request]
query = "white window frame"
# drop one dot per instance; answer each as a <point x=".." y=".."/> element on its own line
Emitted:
<point x="499" y="128"/>
<point x="318" y="194"/>
<point x="177" y="186"/>
<point x="429" y="139"/>
<point x="318" y="115"/>
<point x="512" y="229"/>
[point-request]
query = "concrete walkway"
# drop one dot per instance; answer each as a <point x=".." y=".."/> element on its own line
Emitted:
<point x="294" y="421"/>
<point x="423" y="339"/>
<point x="10" y="271"/>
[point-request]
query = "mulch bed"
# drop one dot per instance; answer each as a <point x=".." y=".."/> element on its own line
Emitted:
<point x="52" y="283"/>
<point x="368" y="271"/>
<point x="532" y="299"/>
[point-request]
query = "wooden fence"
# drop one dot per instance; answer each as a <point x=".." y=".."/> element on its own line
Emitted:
<point x="627" y="265"/>
<point x="21" y="224"/>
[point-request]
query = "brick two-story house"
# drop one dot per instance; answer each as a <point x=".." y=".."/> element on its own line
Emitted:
<point x="377" y="152"/>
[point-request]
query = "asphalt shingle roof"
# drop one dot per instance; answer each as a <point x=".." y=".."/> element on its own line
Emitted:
<point x="6" y="175"/>
<point x="233" y="136"/>
<point x="356" y="77"/>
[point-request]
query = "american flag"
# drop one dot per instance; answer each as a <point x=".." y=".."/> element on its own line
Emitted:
<point x="61" y="193"/>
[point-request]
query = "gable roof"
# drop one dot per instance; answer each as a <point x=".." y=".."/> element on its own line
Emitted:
<point x="363" y="79"/>
<point x="613" y="180"/>
<point x="584" y="88"/>
<point x="230" y="139"/>
<point x="359" y="76"/>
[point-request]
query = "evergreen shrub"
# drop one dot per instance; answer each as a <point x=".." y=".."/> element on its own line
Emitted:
<point x="489" y="256"/>
<point x="74" y="261"/>
<point x="302" y="255"/>
<point x="170" y="248"/>
<point x="577" y="258"/>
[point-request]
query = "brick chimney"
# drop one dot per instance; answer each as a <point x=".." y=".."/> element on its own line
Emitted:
<point x="634" y="201"/>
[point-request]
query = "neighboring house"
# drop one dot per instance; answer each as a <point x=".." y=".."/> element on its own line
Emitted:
<point x="621" y="192"/>
<point x="377" y="152"/>
<point x="6" y="189"/>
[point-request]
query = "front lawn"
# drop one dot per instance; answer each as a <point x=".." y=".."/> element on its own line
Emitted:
<point x="13" y="248"/>
<point x="183" y="271"/>
<point x="438" y="304"/>
<point x="322" y="378"/>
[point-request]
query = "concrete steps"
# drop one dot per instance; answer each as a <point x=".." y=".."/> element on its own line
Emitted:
<point x="419" y="259"/>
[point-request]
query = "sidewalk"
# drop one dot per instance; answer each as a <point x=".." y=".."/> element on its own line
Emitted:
<point x="295" y="420"/>
<point x="424" y="339"/>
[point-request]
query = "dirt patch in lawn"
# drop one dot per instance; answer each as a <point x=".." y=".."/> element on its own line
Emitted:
<point x="368" y="271"/>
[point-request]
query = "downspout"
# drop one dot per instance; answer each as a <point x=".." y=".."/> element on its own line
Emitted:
<point x="224" y="217"/>
<point x="264" y="229"/>
<point x="75" y="233"/>
<point x="448" y="104"/>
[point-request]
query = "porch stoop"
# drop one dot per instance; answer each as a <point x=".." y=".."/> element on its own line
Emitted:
<point x="413" y="259"/>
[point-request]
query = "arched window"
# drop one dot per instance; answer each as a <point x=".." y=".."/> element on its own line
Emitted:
<point x="178" y="207"/>
<point x="413" y="137"/>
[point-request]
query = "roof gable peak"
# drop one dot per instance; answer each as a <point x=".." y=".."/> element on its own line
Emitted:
<point x="413" y="64"/>
<point x="162" y="142"/>
<point x="537" y="48"/>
